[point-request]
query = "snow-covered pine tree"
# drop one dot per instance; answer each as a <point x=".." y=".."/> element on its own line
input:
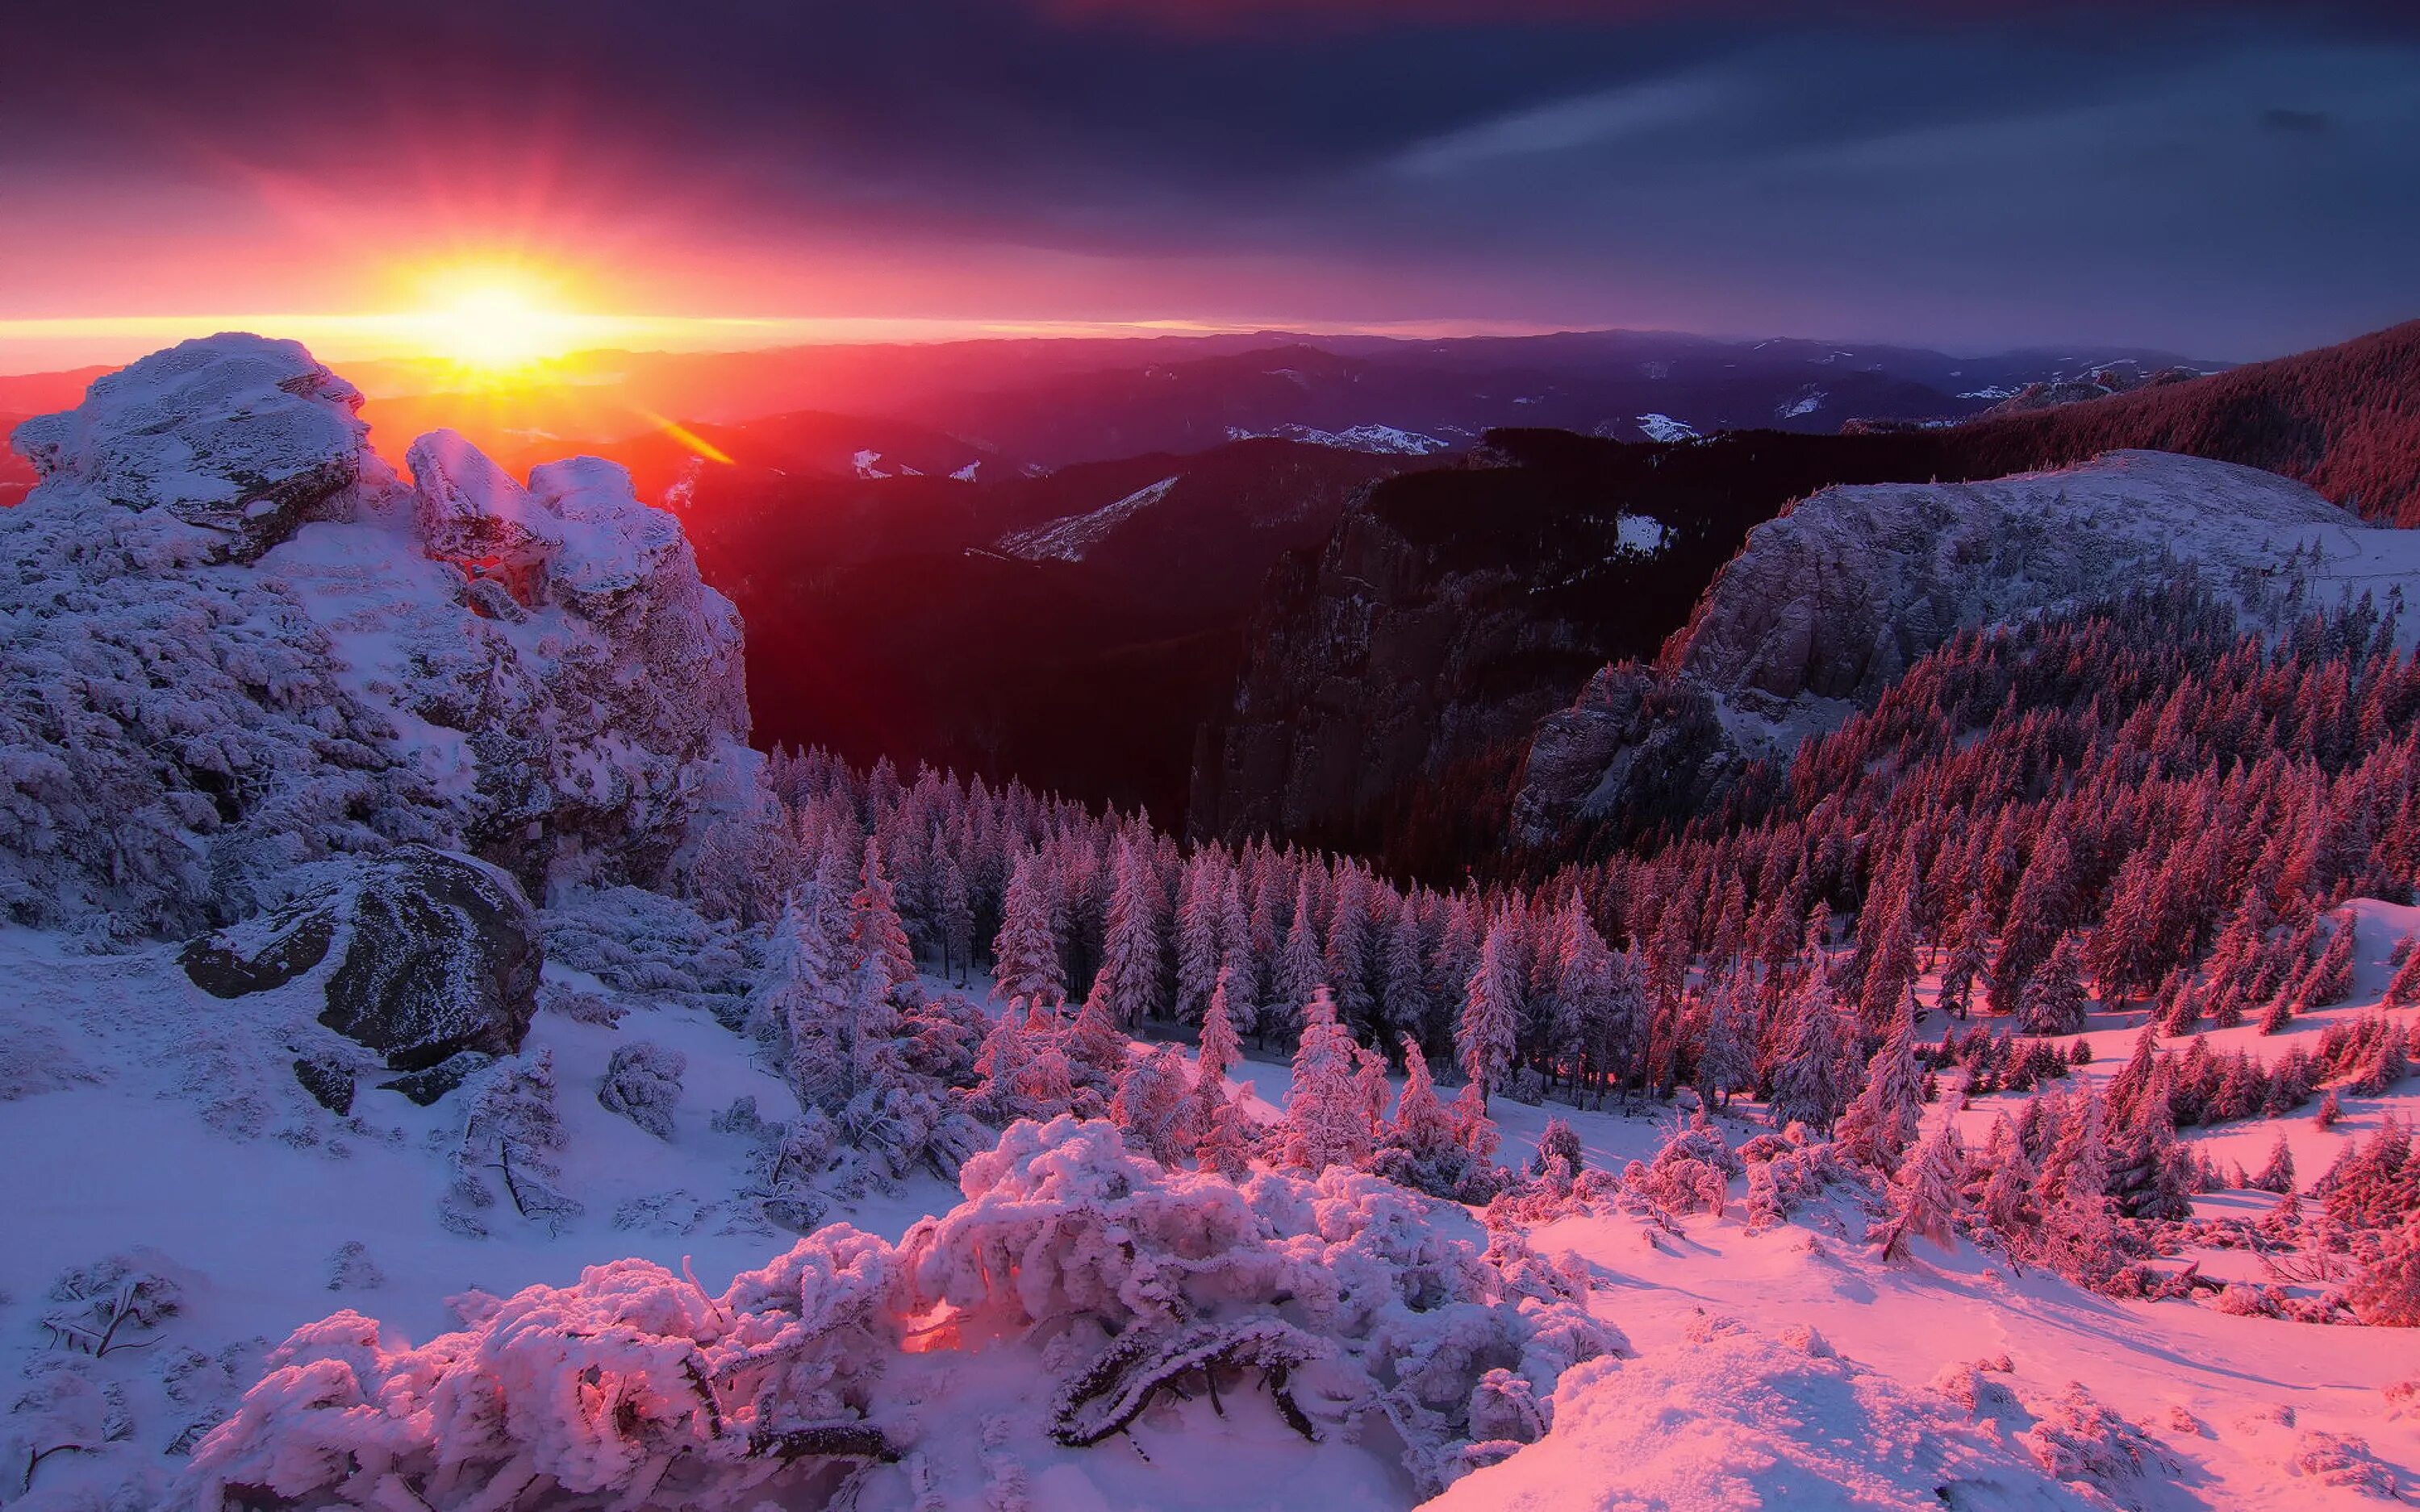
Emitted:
<point x="1727" y="1064"/>
<point x="958" y="918"/>
<point x="1327" y="1120"/>
<point x="1228" y="1138"/>
<point x="2277" y="1173"/>
<point x="1491" y="1012"/>
<point x="1197" y="937"/>
<point x="1298" y="969"/>
<point x="1025" y="954"/>
<point x="1925" y="1194"/>
<point x="1152" y="1105"/>
<point x="2053" y="1000"/>
<point x="1403" y="996"/>
<point x="1130" y="941"/>
<point x="1347" y="959"/>
<point x="2403" y="988"/>
<point x="1969" y="957"/>
<point x="1880" y="1121"/>
<point x="1808" y="1085"/>
<point x="2038" y="918"/>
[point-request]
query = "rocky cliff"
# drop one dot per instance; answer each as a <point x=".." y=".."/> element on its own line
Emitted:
<point x="241" y="643"/>
<point x="1825" y="606"/>
<point x="1391" y="682"/>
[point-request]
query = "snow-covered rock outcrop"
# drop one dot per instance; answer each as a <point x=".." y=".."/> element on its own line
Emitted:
<point x="1825" y="606"/>
<point x="240" y="642"/>
<point x="239" y="436"/>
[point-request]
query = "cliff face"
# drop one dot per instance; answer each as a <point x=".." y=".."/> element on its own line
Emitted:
<point x="1391" y="681"/>
<point x="240" y="642"/>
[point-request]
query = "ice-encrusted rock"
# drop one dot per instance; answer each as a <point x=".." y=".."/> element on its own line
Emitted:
<point x="241" y="436"/>
<point x="434" y="954"/>
<point x="1827" y="605"/>
<point x="245" y="645"/>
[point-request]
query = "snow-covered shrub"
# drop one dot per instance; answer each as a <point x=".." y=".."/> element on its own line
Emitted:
<point x="645" y="942"/>
<point x="2344" y="1460"/>
<point x="632" y="1383"/>
<point x="63" y="1408"/>
<point x="102" y="1305"/>
<point x="635" y="1387"/>
<point x="642" y="1083"/>
<point x="1784" y="1173"/>
<point x="509" y="1137"/>
<point x="1691" y="1172"/>
<point x="350" y="1269"/>
<point x="2074" y="1437"/>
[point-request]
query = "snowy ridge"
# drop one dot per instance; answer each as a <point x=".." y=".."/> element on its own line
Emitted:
<point x="1828" y="603"/>
<point x="1384" y="440"/>
<point x="1068" y="538"/>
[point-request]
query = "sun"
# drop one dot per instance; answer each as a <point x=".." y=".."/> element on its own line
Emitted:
<point x="497" y="323"/>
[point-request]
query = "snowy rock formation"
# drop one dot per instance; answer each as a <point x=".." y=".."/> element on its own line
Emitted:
<point x="239" y="436"/>
<point x="1827" y="605"/>
<point x="240" y="643"/>
<point x="435" y="954"/>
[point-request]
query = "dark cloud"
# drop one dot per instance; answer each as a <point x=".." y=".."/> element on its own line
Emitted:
<point x="1962" y="172"/>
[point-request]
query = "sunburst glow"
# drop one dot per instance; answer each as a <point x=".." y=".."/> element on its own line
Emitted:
<point x="497" y="321"/>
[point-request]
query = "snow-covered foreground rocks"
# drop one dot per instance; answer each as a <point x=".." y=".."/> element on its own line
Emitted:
<point x="238" y="642"/>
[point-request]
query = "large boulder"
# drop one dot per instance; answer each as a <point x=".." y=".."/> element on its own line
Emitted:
<point x="433" y="955"/>
<point x="241" y="436"/>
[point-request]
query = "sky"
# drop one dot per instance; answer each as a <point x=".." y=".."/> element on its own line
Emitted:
<point x="2229" y="181"/>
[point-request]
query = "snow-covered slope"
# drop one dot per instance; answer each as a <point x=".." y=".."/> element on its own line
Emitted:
<point x="239" y="641"/>
<point x="1066" y="539"/>
<point x="1384" y="440"/>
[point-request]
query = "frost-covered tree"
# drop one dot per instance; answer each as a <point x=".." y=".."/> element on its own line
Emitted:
<point x="1403" y="996"/>
<point x="1151" y="1105"/>
<point x="2053" y="1000"/>
<point x="1880" y="1121"/>
<point x="1327" y="1117"/>
<point x="509" y="1140"/>
<point x="1491" y="1012"/>
<point x="1025" y="954"/>
<point x="1345" y="959"/>
<point x="1197" y="937"/>
<point x="1925" y="1198"/>
<point x="1299" y="970"/>
<point x="1727" y="1064"/>
<point x="1809" y="1083"/>
<point x="1130" y="941"/>
<point x="2276" y="1173"/>
<point x="2038" y="918"/>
